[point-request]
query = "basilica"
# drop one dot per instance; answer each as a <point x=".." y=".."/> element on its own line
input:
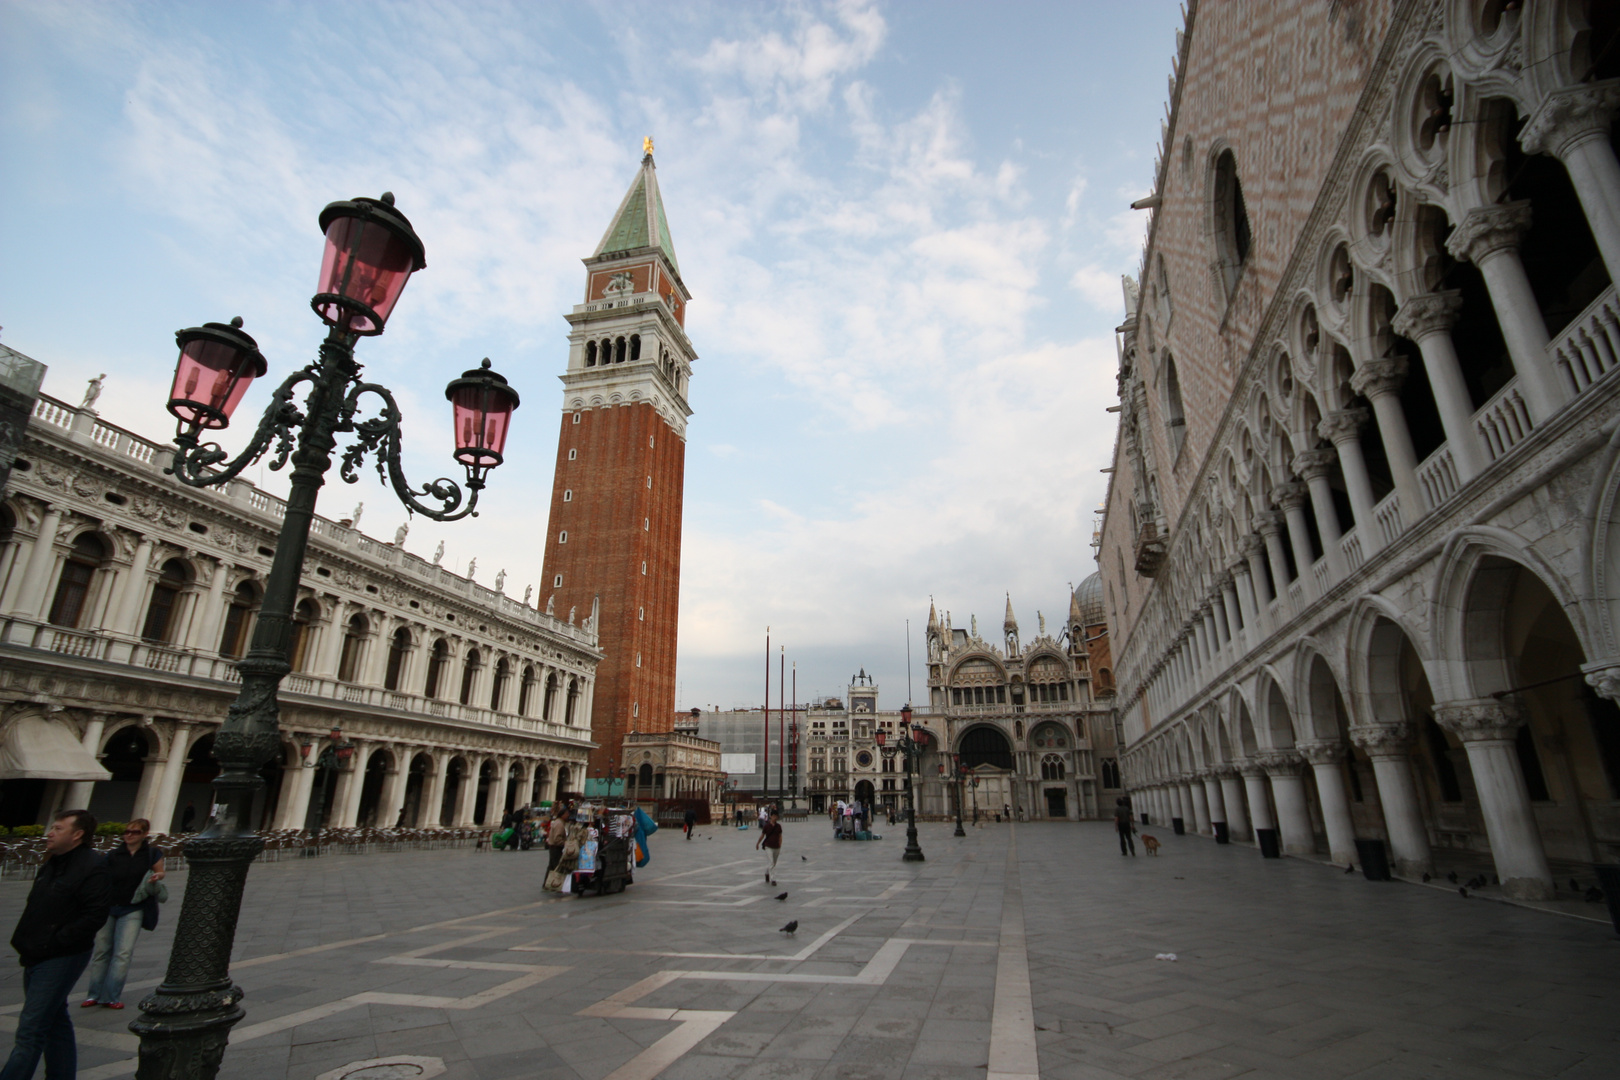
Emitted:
<point x="1360" y="551"/>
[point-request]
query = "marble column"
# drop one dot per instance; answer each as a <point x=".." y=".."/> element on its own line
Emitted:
<point x="292" y="809"/>
<point x="467" y="797"/>
<point x="1200" y="805"/>
<point x="1487" y="728"/>
<point x="1291" y="497"/>
<point x="431" y="815"/>
<point x="330" y="646"/>
<point x="1314" y="466"/>
<point x="1214" y="800"/>
<point x="1428" y="320"/>
<point x="78" y="794"/>
<point x="1236" y="617"/>
<point x="1488" y="237"/>
<point x="1573" y="125"/>
<point x="1325" y="759"/>
<point x="1254" y="785"/>
<point x="168" y="791"/>
<point x="1178" y="809"/>
<point x="1212" y="633"/>
<point x="351" y="780"/>
<point x="1389" y="747"/>
<point x="1342" y="429"/>
<point x="1243" y="587"/>
<point x="1288" y="788"/>
<point x="393" y="793"/>
<point x="205" y="624"/>
<point x="1237" y="816"/>
<point x="1270" y="525"/>
<point x="1254" y="547"/>
<point x="1380" y="381"/>
<point x="36" y="577"/>
<point x="130" y="591"/>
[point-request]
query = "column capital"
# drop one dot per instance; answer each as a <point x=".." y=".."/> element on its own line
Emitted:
<point x="1431" y="313"/>
<point x="1240" y="567"/>
<point x="1290" y="496"/>
<point x="1224" y="770"/>
<point x="1253" y="545"/>
<point x="1604" y="677"/>
<point x="1486" y="230"/>
<point x="1571" y="115"/>
<point x="1270" y="522"/>
<point x="1325" y="752"/>
<point x="1250" y="770"/>
<point x="1480" y="719"/>
<point x="1383" y="740"/>
<point x="1279" y="762"/>
<point x="1311" y="464"/>
<point x="1206" y="610"/>
<point x="1376" y="378"/>
<point x="1342" y="425"/>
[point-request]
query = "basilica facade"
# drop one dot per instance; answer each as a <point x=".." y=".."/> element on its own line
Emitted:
<point x="417" y="696"/>
<point x="1360" y="550"/>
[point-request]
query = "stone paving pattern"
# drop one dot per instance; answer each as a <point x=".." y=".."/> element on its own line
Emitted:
<point x="1284" y="968"/>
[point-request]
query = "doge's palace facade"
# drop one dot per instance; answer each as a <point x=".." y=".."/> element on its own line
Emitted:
<point x="126" y="598"/>
<point x="1360" y="552"/>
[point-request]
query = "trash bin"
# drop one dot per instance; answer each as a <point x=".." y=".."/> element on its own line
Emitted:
<point x="1221" y="835"/>
<point x="1145" y="818"/>
<point x="1269" y="847"/>
<point x="1374" y="860"/>
<point x="1608" y="875"/>
<point x="1178" y="826"/>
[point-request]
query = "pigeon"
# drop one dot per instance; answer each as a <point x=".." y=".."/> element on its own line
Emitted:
<point x="781" y="896"/>
<point x="1594" y="895"/>
<point x="1425" y="879"/>
<point x="1452" y="877"/>
<point x="1574" y="886"/>
<point x="803" y="859"/>
<point x="1462" y="890"/>
<point x="1350" y="869"/>
<point x="790" y="927"/>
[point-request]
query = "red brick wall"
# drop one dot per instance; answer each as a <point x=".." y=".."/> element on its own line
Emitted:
<point x="616" y="524"/>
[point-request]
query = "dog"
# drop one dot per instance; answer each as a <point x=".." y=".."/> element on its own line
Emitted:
<point x="1151" y="843"/>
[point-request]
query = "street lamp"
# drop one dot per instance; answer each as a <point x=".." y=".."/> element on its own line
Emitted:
<point x="956" y="774"/>
<point x="909" y="746"/>
<point x="371" y="252"/>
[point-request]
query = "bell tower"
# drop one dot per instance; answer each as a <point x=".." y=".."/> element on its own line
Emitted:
<point x="614" y="541"/>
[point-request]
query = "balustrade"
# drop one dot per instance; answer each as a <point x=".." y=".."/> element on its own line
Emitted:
<point x="1589" y="348"/>
<point x="1438" y="478"/>
<point x="1504" y="421"/>
<point x="1350" y="544"/>
<point x="1388" y="515"/>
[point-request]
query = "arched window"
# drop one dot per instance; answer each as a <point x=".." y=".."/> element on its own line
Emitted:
<point x="526" y="690"/>
<point x="1175" y="417"/>
<point x="469" y="673"/>
<point x="550" y="698"/>
<point x="497" y="690"/>
<point x="398" y="648"/>
<point x="618" y="351"/>
<point x="1051" y="767"/>
<point x="635" y="347"/>
<point x="573" y="701"/>
<point x="435" y="673"/>
<point x="233" y="642"/>
<point x="304" y="616"/>
<point x="73" y="588"/>
<point x="1110" y="773"/>
<point x="160" y="620"/>
<point x="590" y="354"/>
<point x="1233" y="237"/>
<point x="354" y="644"/>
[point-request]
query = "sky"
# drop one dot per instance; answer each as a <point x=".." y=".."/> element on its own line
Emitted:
<point x="903" y="226"/>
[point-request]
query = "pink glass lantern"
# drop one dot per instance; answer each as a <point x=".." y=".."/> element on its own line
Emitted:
<point x="482" y="404"/>
<point x="217" y="363"/>
<point x="371" y="252"/>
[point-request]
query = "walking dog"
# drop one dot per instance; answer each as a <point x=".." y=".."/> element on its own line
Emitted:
<point x="1151" y="843"/>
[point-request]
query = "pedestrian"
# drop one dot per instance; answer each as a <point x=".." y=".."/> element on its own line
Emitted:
<point x="66" y="906"/>
<point x="189" y="817"/>
<point x="770" y="841"/>
<point x="764" y="815"/>
<point x="556" y="836"/>
<point x="690" y="820"/>
<point x="1125" y="826"/>
<point x="129" y="867"/>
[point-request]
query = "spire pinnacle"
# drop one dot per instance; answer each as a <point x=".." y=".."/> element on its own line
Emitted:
<point x="1011" y="621"/>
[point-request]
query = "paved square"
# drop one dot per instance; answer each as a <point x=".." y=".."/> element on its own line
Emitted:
<point x="1017" y="951"/>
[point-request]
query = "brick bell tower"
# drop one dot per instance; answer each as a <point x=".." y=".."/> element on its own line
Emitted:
<point x="614" y="545"/>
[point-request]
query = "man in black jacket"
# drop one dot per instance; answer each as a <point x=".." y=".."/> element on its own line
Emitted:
<point x="66" y="906"/>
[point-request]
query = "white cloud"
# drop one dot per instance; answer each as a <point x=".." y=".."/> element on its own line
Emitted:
<point x="1100" y="287"/>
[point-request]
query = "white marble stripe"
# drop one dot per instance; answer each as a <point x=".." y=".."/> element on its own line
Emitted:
<point x="1012" y="1023"/>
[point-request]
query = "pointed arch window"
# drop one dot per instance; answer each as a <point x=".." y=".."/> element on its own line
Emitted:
<point x="160" y="619"/>
<point x="1052" y="767"/>
<point x="1234" y="239"/>
<point x="1175" y="416"/>
<point x="78" y="572"/>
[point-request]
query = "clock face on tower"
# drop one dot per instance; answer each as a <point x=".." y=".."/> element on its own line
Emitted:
<point x="864" y="759"/>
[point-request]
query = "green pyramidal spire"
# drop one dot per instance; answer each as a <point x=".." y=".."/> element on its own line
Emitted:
<point x="640" y="222"/>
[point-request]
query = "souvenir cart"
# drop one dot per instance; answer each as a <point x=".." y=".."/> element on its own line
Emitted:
<point x="612" y="861"/>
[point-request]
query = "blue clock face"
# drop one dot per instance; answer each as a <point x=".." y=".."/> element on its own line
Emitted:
<point x="864" y="759"/>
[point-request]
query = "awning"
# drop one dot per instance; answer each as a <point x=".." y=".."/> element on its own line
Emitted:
<point x="36" y="749"/>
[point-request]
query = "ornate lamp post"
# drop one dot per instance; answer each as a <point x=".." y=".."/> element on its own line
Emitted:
<point x="909" y="746"/>
<point x="371" y="252"/>
<point x="956" y="775"/>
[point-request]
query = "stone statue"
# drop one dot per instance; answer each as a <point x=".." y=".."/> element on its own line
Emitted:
<point x="472" y="567"/>
<point x="973" y="624"/>
<point x="354" y="518"/>
<point x="551" y="604"/>
<point x="92" y="393"/>
<point x="528" y="591"/>
<point x="571" y="611"/>
<point x="1042" y="620"/>
<point x="401" y="533"/>
<point x="438" y="553"/>
<point x="500" y="581"/>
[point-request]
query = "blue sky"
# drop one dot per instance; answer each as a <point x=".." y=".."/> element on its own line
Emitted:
<point x="903" y="226"/>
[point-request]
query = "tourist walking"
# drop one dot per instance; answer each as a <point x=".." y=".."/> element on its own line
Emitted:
<point x="132" y="869"/>
<point x="770" y="841"/>
<point x="1125" y="826"/>
<point x="66" y="906"/>
<point x="690" y="821"/>
<point x="556" y="836"/>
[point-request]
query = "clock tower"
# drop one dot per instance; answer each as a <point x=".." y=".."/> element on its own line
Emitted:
<point x="613" y="550"/>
